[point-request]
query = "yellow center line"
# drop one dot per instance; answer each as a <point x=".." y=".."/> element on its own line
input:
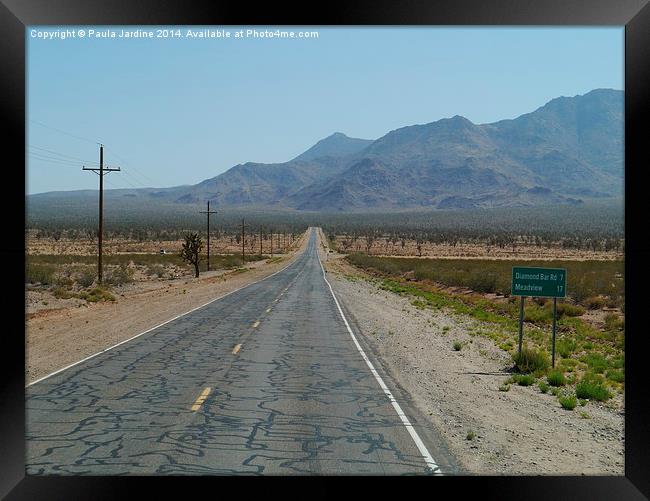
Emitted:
<point x="236" y="349"/>
<point x="199" y="401"/>
<point x="257" y="322"/>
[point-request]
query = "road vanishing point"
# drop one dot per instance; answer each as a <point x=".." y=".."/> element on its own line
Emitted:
<point x="271" y="379"/>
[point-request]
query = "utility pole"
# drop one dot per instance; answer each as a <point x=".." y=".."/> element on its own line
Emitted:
<point x="271" y="242"/>
<point x="208" y="212"/>
<point x="260" y="242"/>
<point x="243" y="252"/>
<point x="101" y="172"/>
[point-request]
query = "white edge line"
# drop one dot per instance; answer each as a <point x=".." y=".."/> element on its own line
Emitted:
<point x="154" y="328"/>
<point x="409" y="427"/>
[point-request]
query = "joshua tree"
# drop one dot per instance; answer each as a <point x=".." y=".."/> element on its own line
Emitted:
<point x="370" y="239"/>
<point x="192" y="250"/>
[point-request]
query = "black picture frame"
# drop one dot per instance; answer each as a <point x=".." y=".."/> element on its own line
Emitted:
<point x="15" y="15"/>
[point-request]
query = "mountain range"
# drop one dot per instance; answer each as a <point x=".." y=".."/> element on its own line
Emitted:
<point x="566" y="152"/>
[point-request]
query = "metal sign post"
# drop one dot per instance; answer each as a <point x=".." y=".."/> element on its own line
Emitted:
<point x="538" y="282"/>
<point x="521" y="322"/>
<point x="554" y="317"/>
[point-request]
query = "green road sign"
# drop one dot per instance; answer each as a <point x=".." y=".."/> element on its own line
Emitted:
<point x="539" y="282"/>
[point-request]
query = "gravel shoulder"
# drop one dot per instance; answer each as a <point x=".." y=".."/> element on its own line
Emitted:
<point x="70" y="330"/>
<point x="518" y="432"/>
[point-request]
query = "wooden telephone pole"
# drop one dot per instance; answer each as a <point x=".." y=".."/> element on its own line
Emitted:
<point x="243" y="252"/>
<point x="101" y="172"/>
<point x="208" y="212"/>
<point x="260" y="242"/>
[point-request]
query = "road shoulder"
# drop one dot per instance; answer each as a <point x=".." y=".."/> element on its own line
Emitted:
<point x="521" y="431"/>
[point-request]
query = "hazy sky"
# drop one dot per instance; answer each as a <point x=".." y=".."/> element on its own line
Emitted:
<point x="176" y="111"/>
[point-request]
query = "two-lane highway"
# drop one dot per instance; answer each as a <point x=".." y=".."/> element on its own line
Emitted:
<point x="270" y="379"/>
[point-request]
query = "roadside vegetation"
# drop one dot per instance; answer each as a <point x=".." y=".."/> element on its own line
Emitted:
<point x="61" y="261"/>
<point x="590" y="357"/>
<point x="75" y="276"/>
<point x="592" y="284"/>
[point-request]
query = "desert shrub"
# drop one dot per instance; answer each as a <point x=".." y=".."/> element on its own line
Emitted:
<point x="155" y="269"/>
<point x="565" y="347"/>
<point x="86" y="278"/>
<point x="470" y="435"/>
<point x="568" y="402"/>
<point x="566" y="309"/>
<point x="61" y="293"/>
<point x="538" y="315"/>
<point x="556" y="378"/>
<point x="616" y="375"/>
<point x="457" y="345"/>
<point x="543" y="387"/>
<point x="39" y="273"/>
<point x="524" y="379"/>
<point x="530" y="360"/>
<point x="504" y="387"/>
<point x="63" y="281"/>
<point x="95" y="295"/>
<point x="595" y="302"/>
<point x="120" y="276"/>
<point x="613" y="322"/>
<point x="596" y="362"/>
<point x="618" y="362"/>
<point x="592" y="390"/>
<point x="568" y="364"/>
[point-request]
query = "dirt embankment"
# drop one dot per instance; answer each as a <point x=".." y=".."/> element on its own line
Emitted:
<point x="520" y="431"/>
<point x="73" y="329"/>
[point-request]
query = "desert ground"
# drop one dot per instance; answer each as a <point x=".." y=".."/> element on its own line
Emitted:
<point x="219" y="244"/>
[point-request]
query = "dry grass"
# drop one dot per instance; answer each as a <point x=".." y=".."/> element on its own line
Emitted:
<point x="116" y="246"/>
<point x="384" y="247"/>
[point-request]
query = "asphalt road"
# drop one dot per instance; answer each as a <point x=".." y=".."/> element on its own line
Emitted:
<point x="267" y="380"/>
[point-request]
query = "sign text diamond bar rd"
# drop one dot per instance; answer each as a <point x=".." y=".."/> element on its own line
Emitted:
<point x="539" y="282"/>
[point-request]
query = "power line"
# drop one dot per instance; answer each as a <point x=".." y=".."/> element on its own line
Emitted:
<point x="122" y="186"/>
<point x="134" y="179"/>
<point x="61" y="162"/>
<point x="64" y="132"/>
<point x="143" y="176"/>
<point x="53" y="161"/>
<point x="130" y="166"/>
<point x="61" y="154"/>
<point x="42" y="156"/>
